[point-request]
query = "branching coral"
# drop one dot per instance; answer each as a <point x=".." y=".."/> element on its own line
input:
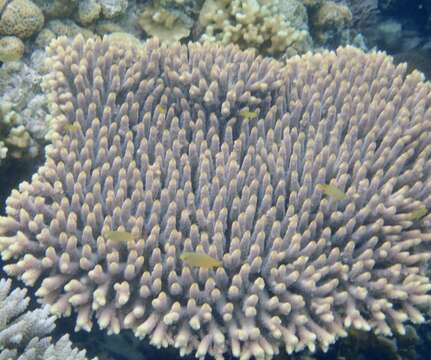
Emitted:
<point x="23" y="333"/>
<point x="271" y="26"/>
<point x="205" y="148"/>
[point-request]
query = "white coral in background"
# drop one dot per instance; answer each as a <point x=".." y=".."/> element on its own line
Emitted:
<point x="23" y="333"/>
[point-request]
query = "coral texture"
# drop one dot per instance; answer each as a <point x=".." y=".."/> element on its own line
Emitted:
<point x="24" y="118"/>
<point x="364" y="12"/>
<point x="23" y="333"/>
<point x="271" y="26"/>
<point x="88" y="11"/>
<point x="164" y="24"/>
<point x="11" y="48"/>
<point x="329" y="20"/>
<point x="113" y="8"/>
<point x="21" y="18"/>
<point x="208" y="148"/>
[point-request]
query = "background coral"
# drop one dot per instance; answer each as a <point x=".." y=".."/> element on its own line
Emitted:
<point x="364" y="13"/>
<point x="23" y="333"/>
<point x="166" y="25"/>
<point x="11" y="48"/>
<point x="155" y="141"/>
<point x="271" y="26"/>
<point x="21" y="18"/>
<point x="24" y="118"/>
<point x="329" y="21"/>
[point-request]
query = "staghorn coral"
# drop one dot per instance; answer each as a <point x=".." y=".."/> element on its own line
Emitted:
<point x="152" y="141"/>
<point x="23" y="333"/>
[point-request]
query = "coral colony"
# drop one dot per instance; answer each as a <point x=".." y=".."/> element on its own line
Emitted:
<point x="24" y="333"/>
<point x="220" y="202"/>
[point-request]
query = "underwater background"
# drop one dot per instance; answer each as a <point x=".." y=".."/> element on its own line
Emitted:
<point x="280" y="29"/>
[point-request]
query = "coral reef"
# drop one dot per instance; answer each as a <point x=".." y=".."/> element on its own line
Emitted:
<point x="113" y="8"/>
<point x="416" y="60"/>
<point x="211" y="149"/>
<point x="271" y="26"/>
<point x="364" y="13"/>
<point x="166" y="25"/>
<point x="21" y="18"/>
<point x="24" y="118"/>
<point x="57" y="8"/>
<point x="89" y="11"/>
<point x="56" y="28"/>
<point x="24" y="333"/>
<point x="329" y="21"/>
<point x="11" y="48"/>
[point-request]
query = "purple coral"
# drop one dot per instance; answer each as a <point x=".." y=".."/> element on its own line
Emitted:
<point x="154" y="141"/>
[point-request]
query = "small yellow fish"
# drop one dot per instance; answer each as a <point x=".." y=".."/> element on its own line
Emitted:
<point x="119" y="236"/>
<point x="74" y="127"/>
<point x="418" y="214"/>
<point x="332" y="190"/>
<point x="248" y="114"/>
<point x="161" y="109"/>
<point x="200" y="260"/>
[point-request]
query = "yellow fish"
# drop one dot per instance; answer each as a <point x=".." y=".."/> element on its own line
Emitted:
<point x="248" y="114"/>
<point x="161" y="109"/>
<point x="418" y="214"/>
<point x="119" y="236"/>
<point x="74" y="127"/>
<point x="332" y="190"/>
<point x="199" y="260"/>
